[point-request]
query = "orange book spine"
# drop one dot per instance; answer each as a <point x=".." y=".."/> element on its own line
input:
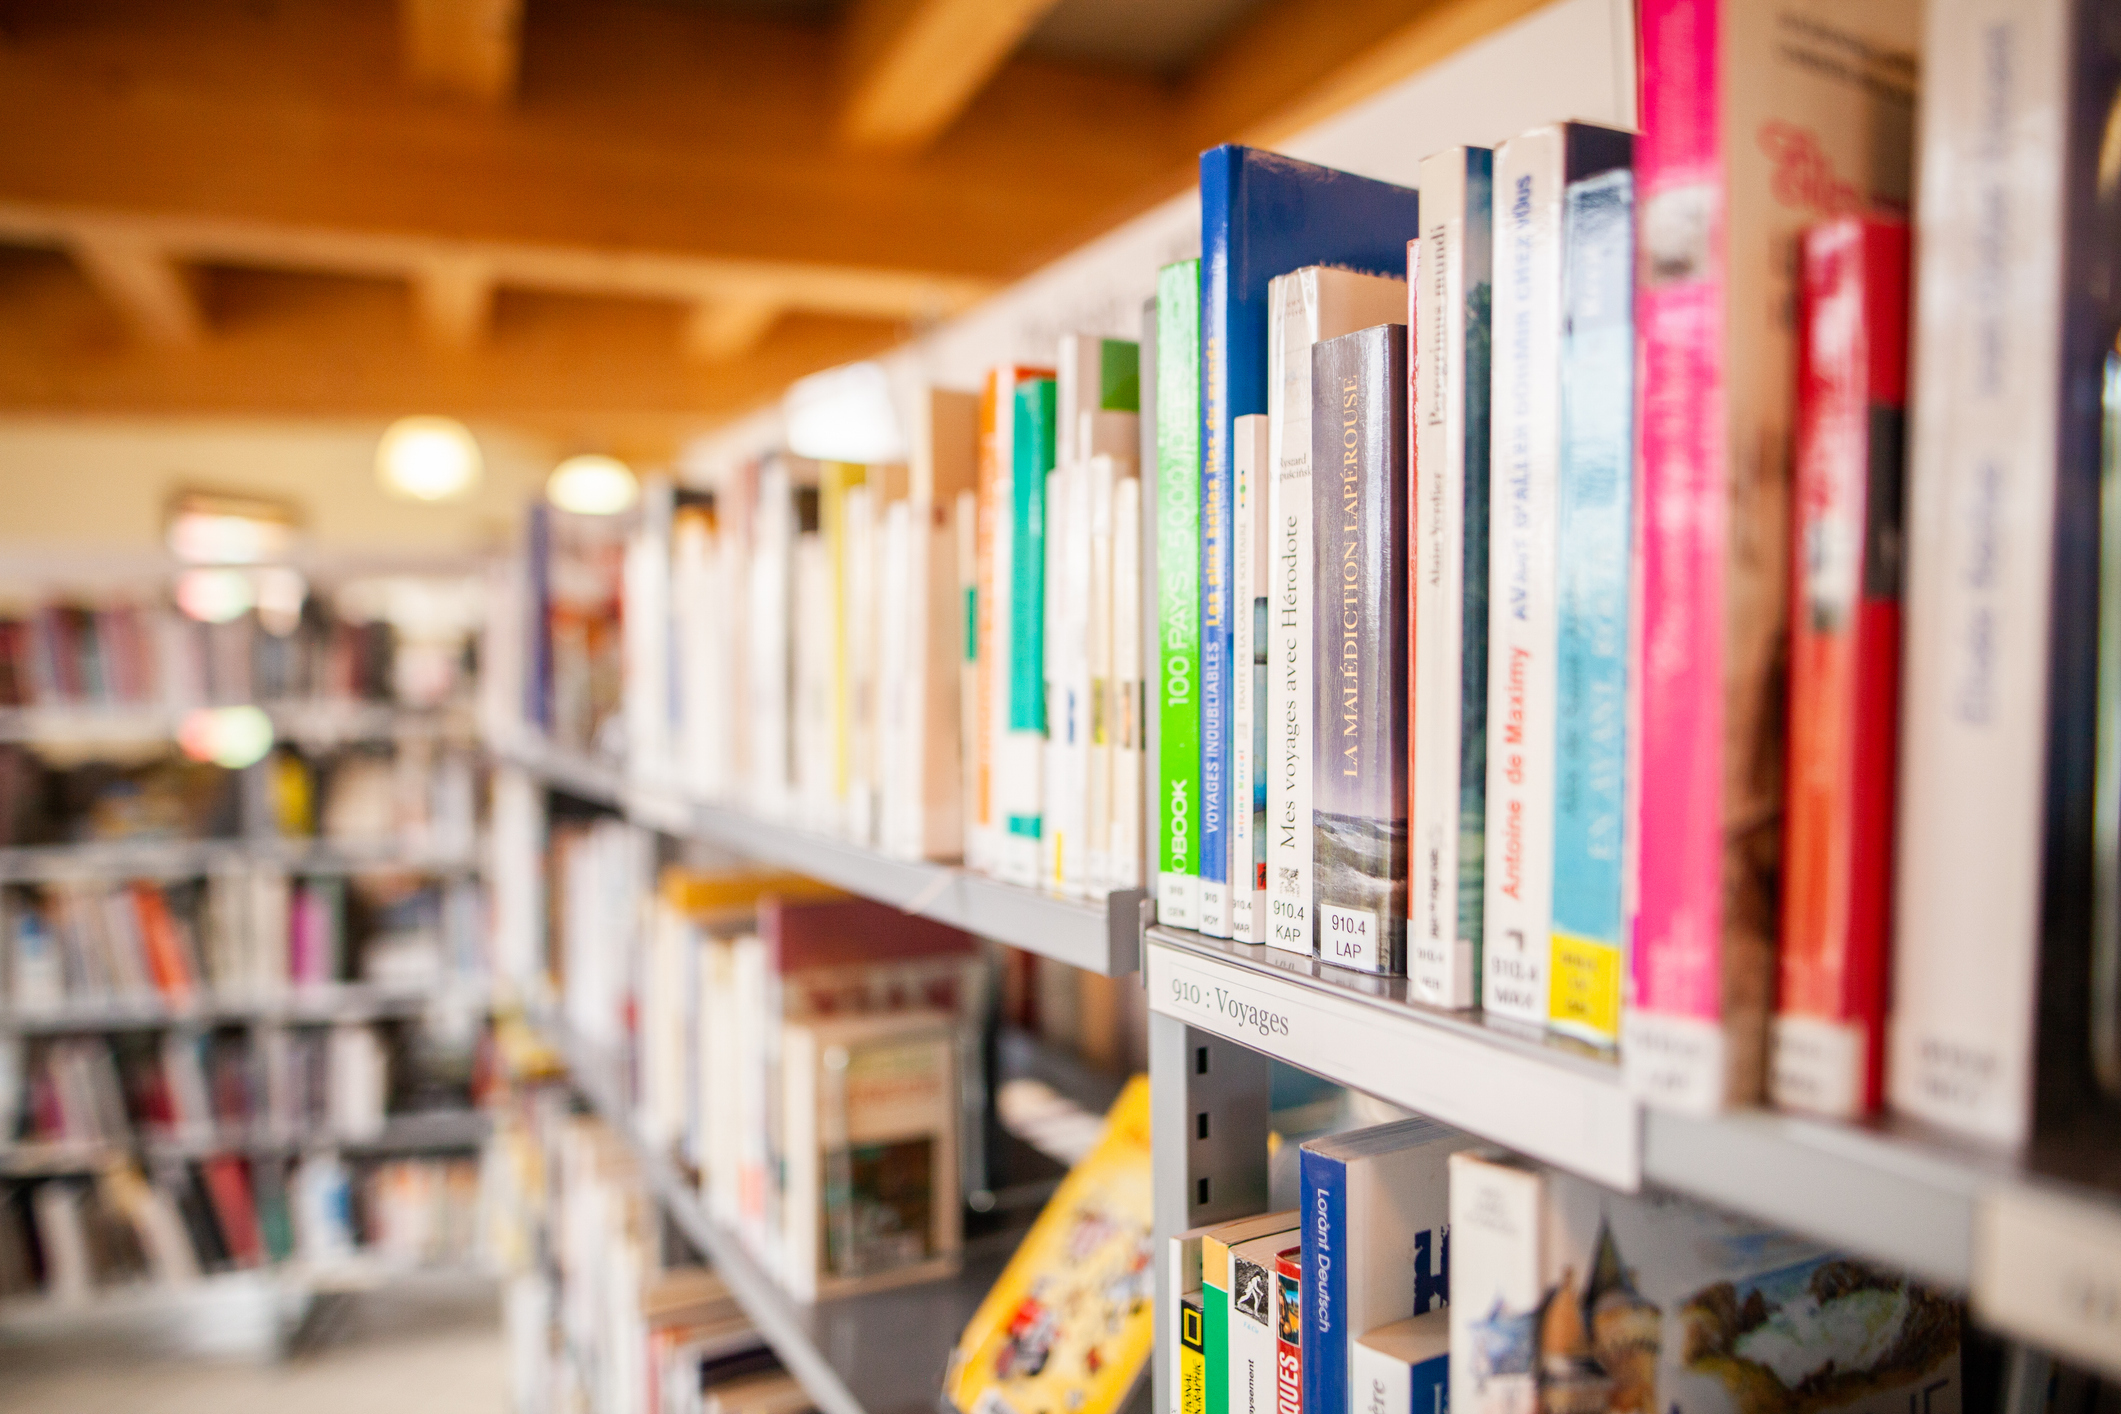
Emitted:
<point x="165" y="951"/>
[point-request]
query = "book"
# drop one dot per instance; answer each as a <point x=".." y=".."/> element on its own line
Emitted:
<point x="1182" y="1288"/>
<point x="2003" y="954"/>
<point x="923" y="797"/>
<point x="1126" y="722"/>
<point x="1248" y="695"/>
<point x="1376" y="1222"/>
<point x="1359" y="606"/>
<point x="971" y="785"/>
<point x="1069" y="1323"/>
<point x="1192" y="1355"/>
<point x="1016" y="451"/>
<point x="1449" y="292"/>
<point x="1262" y="215"/>
<point x="1405" y="1367"/>
<point x="1533" y="172"/>
<point x="1569" y="1296"/>
<point x="1176" y="808"/>
<point x="1591" y="580"/>
<point x="1823" y="134"/>
<point x="644" y="623"/>
<point x="1845" y="550"/>
<point x="769" y="669"/>
<point x="1303" y="307"/>
<point x="1237" y="1264"/>
<point x="870" y="1139"/>
<point x="1288" y="1331"/>
<point x="228" y="1186"/>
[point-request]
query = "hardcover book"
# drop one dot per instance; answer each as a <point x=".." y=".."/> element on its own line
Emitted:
<point x="2005" y="909"/>
<point x="1177" y="506"/>
<point x="1262" y="215"/>
<point x="1248" y="698"/>
<point x="1592" y="556"/>
<point x="1756" y="122"/>
<point x="1359" y="759"/>
<point x="1567" y="1296"/>
<point x="1376" y="1243"/>
<point x="1448" y="291"/>
<point x="1303" y="307"/>
<point x="1845" y="549"/>
<point x="1533" y="173"/>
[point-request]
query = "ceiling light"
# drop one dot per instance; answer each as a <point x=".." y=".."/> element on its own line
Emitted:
<point x="234" y="737"/>
<point x="591" y="485"/>
<point x="219" y="528"/>
<point x="428" y="458"/>
<point x="215" y="596"/>
<point x="844" y="415"/>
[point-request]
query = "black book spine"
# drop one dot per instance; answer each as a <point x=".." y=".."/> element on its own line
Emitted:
<point x="1359" y="762"/>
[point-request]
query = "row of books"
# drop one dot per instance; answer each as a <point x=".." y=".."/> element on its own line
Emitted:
<point x="1422" y="1273"/>
<point x="190" y="1086"/>
<point x="66" y="1239"/>
<point x="148" y="654"/>
<point x="807" y="1055"/>
<point x="240" y="933"/>
<point x="417" y="795"/>
<point x="1529" y="586"/>
<point x="610" y="1320"/>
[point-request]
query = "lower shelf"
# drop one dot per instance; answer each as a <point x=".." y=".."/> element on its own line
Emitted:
<point x="883" y="1353"/>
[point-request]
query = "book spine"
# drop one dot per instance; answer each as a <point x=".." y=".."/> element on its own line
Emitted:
<point x="997" y="423"/>
<point x="1829" y="1029"/>
<point x="1359" y="762"/>
<point x="1178" y="487"/>
<point x="1129" y="716"/>
<point x="1448" y="294"/>
<point x="1248" y="728"/>
<point x="1324" y="1211"/>
<point x="1192" y="1361"/>
<point x="2013" y="329"/>
<point x="1496" y="1286"/>
<point x="1101" y="685"/>
<point x="964" y="513"/>
<point x="1222" y="172"/>
<point x="1215" y="1326"/>
<point x="1382" y="1384"/>
<point x="1022" y="744"/>
<point x="1288" y="1332"/>
<point x="1516" y="913"/>
<point x="1591" y="590"/>
<point x="1673" y="1046"/>
<point x="1251" y="1335"/>
<point x="1292" y="310"/>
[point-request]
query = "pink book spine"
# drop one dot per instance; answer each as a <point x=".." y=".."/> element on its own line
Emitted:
<point x="1672" y="1046"/>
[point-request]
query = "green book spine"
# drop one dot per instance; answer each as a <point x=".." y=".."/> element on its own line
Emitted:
<point x="1215" y="1339"/>
<point x="1018" y="764"/>
<point x="1178" y="590"/>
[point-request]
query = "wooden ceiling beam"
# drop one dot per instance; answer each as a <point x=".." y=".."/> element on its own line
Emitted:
<point x="453" y="299"/>
<point x="912" y="66"/>
<point x="718" y="330"/>
<point x="158" y="297"/>
<point x="462" y="48"/>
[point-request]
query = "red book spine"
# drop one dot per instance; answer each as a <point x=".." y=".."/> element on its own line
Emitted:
<point x="1288" y="1331"/>
<point x="229" y="1188"/>
<point x="1844" y="690"/>
<point x="165" y="951"/>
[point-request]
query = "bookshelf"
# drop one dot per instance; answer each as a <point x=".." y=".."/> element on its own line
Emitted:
<point x="1099" y="938"/>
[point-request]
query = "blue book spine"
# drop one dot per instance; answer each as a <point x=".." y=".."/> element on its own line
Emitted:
<point x="1429" y="1386"/>
<point x="1261" y="215"/>
<point x="1592" y="507"/>
<point x="1325" y="1284"/>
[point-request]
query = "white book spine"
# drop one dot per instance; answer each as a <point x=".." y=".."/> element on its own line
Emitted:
<point x="1102" y="685"/>
<point x="1981" y="523"/>
<point x="1072" y="856"/>
<point x="770" y="645"/>
<point x="964" y="524"/>
<point x="1440" y="955"/>
<point x="1380" y="1384"/>
<point x="902" y="636"/>
<point x="931" y="683"/>
<point x="1292" y="318"/>
<point x="1251" y="465"/>
<point x="1524" y="462"/>
<point x="1495" y="1272"/>
<point x="1129" y="750"/>
<point x="1055" y="834"/>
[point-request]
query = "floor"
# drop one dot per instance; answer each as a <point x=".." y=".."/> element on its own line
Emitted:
<point x="393" y="1355"/>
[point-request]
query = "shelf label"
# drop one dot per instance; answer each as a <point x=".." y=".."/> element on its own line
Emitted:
<point x="2048" y="1270"/>
<point x="1549" y="1110"/>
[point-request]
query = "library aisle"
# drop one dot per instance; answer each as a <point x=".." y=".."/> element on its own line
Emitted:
<point x="1060" y="707"/>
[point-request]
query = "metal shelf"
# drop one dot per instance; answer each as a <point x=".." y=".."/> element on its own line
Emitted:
<point x="189" y="859"/>
<point x="881" y="1353"/>
<point x="2035" y="1241"/>
<point x="1102" y="937"/>
<point x="319" y="721"/>
<point x="430" y="1132"/>
<point x="336" y="1001"/>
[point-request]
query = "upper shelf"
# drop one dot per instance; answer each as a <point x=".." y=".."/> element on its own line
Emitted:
<point x="2035" y="1241"/>
<point x="190" y="859"/>
<point x="1101" y="937"/>
<point x="314" y="721"/>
